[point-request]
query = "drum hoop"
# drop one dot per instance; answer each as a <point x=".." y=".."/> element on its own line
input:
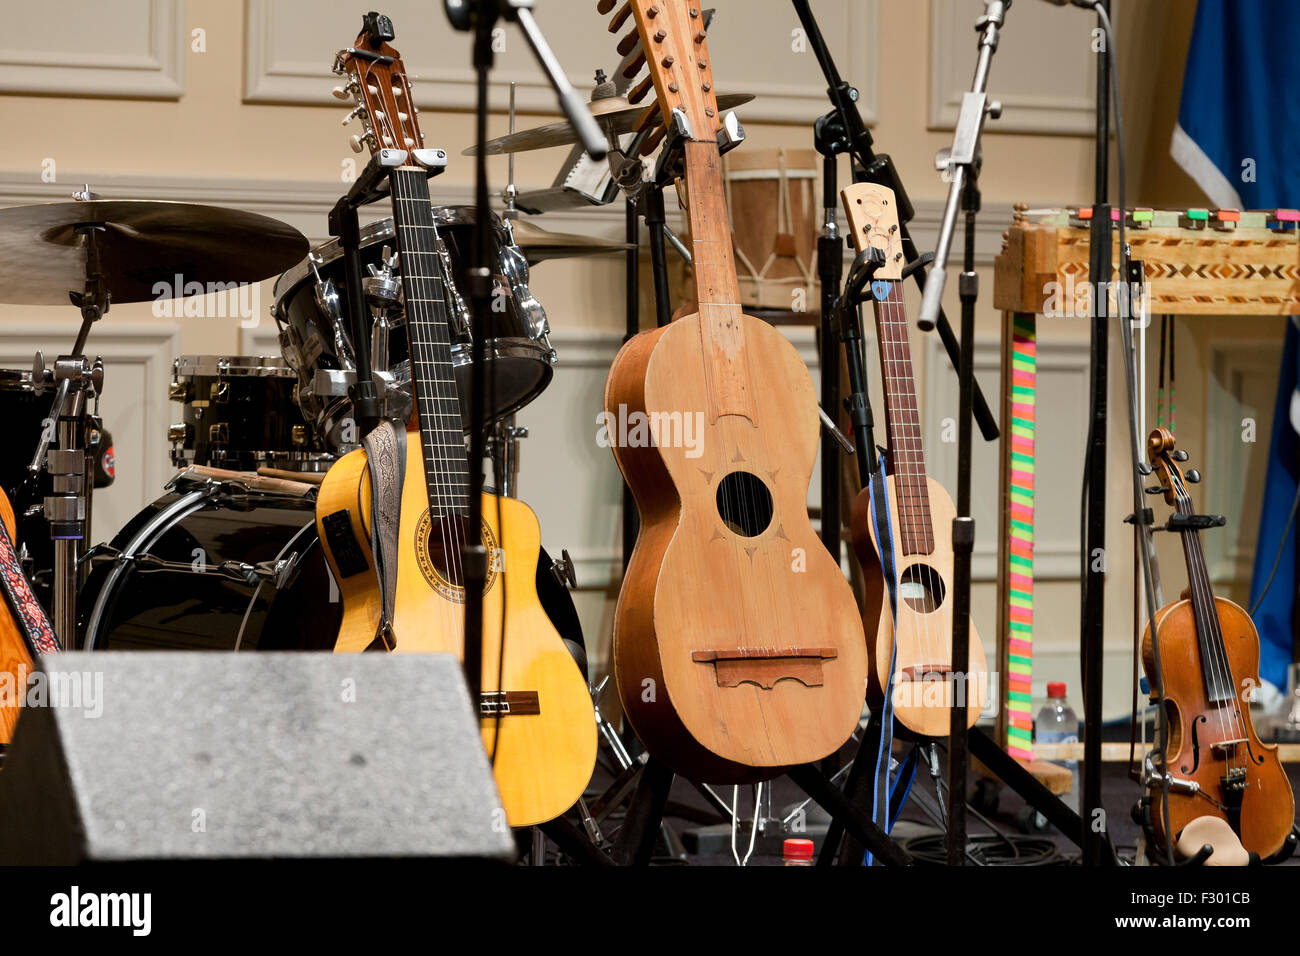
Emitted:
<point x="232" y="366"/>
<point x="379" y="230"/>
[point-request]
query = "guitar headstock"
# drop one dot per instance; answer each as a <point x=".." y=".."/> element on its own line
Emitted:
<point x="668" y="37"/>
<point x="1165" y="457"/>
<point x="379" y="87"/>
<point x="872" y="213"/>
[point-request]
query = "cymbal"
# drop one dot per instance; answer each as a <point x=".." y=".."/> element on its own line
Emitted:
<point x="541" y="244"/>
<point x="142" y="243"/>
<point x="613" y="114"/>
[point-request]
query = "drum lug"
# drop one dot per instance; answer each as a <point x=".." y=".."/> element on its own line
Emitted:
<point x="219" y="434"/>
<point x="178" y="391"/>
<point x="219" y="393"/>
<point x="178" y="432"/>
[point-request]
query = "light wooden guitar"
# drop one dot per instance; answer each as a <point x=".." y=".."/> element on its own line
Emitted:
<point x="738" y="649"/>
<point x="547" y="746"/>
<point x="921" y="513"/>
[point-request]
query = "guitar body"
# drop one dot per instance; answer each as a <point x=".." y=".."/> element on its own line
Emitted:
<point x="544" y="760"/>
<point x="922" y="640"/>
<point x="15" y="658"/>
<point x="737" y="646"/>
<point x="1196" y="724"/>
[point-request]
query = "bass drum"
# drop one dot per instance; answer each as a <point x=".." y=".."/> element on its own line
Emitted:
<point x="196" y="607"/>
<point x="191" y="604"/>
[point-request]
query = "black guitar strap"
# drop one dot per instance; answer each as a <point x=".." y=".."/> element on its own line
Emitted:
<point x="386" y="460"/>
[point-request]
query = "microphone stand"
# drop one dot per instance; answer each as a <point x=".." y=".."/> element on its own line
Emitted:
<point x="480" y="17"/>
<point x="961" y="165"/>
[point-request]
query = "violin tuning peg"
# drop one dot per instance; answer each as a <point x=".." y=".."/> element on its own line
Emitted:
<point x="1192" y="476"/>
<point x="1154" y="490"/>
<point x="1144" y="468"/>
<point x="1180" y="454"/>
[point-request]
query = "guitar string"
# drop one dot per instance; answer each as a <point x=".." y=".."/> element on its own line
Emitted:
<point x="1218" y="663"/>
<point x="897" y="370"/>
<point x="432" y="403"/>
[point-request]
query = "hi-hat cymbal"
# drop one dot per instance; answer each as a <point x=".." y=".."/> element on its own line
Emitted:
<point x="141" y="243"/>
<point x="540" y="244"/>
<point x="614" y="119"/>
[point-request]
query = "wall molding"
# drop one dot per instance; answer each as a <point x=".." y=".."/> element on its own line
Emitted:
<point x="1055" y="558"/>
<point x="449" y="83"/>
<point x="157" y="73"/>
<point x="132" y="350"/>
<point x="305" y="205"/>
<point x="1027" y="108"/>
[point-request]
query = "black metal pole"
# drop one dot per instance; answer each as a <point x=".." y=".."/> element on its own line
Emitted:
<point x="632" y="306"/>
<point x="473" y="552"/>
<point x="830" y="270"/>
<point x="1094" y="579"/>
<point x="653" y="199"/>
<point x="963" y="540"/>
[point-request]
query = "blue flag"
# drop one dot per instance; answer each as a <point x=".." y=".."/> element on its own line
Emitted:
<point x="1238" y="136"/>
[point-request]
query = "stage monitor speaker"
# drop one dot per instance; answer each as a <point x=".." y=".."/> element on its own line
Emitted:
<point x="192" y="755"/>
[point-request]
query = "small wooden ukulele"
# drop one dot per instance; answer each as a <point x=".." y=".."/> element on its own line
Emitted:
<point x="919" y="646"/>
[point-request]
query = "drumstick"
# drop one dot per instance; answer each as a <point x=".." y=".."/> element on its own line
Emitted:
<point x="310" y="477"/>
<point x="251" y="479"/>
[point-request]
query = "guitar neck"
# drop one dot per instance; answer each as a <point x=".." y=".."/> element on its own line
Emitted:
<point x="903" y="423"/>
<point x="717" y="291"/>
<point x="437" y="402"/>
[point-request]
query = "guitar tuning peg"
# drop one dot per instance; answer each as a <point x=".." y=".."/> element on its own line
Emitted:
<point x="628" y="42"/>
<point x="353" y="114"/>
<point x="360" y="142"/>
<point x="638" y="92"/>
<point x="341" y="93"/>
<point x="1192" y="476"/>
<point x="620" y="17"/>
<point x="604" y="6"/>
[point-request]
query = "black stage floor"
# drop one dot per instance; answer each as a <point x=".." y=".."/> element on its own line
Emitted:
<point x="1018" y="841"/>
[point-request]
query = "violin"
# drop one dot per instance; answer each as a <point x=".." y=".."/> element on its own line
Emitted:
<point x="1208" y="648"/>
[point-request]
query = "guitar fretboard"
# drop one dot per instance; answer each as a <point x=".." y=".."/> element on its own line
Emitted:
<point x="437" y="401"/>
<point x="903" y="424"/>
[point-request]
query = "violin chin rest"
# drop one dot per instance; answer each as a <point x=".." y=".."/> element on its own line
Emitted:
<point x="1215" y="831"/>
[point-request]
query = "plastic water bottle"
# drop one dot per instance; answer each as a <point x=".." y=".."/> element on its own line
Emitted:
<point x="1057" y="723"/>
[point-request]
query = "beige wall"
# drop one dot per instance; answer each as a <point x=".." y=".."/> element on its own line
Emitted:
<point x="210" y="144"/>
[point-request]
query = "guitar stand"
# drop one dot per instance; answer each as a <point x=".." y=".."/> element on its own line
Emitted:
<point x="344" y="225"/>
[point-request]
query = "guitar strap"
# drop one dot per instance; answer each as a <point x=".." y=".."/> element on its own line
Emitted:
<point x="24" y="607"/>
<point x="386" y="459"/>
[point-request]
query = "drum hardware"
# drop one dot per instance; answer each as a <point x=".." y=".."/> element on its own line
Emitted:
<point x="503" y="450"/>
<point x="279" y="573"/>
<point x="327" y="301"/>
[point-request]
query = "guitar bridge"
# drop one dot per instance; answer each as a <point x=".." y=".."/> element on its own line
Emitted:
<point x="765" y="666"/>
<point x="509" y="703"/>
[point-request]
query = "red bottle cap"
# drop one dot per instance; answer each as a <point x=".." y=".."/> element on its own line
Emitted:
<point x="795" y="849"/>
<point x="1056" y="688"/>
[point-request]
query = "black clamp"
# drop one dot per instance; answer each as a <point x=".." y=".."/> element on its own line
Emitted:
<point x="1182" y="522"/>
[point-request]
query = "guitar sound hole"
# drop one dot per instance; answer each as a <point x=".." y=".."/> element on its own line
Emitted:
<point x="921" y="587"/>
<point x="744" y="503"/>
<point x="446" y="537"/>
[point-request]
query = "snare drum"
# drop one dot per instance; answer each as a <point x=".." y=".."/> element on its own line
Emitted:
<point x="196" y="604"/>
<point x="310" y="307"/>
<point x="241" y="412"/>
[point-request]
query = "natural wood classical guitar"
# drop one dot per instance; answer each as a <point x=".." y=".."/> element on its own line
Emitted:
<point x="547" y="747"/>
<point x="921" y="513"/>
<point x="738" y="650"/>
<point x="1209" y="664"/>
